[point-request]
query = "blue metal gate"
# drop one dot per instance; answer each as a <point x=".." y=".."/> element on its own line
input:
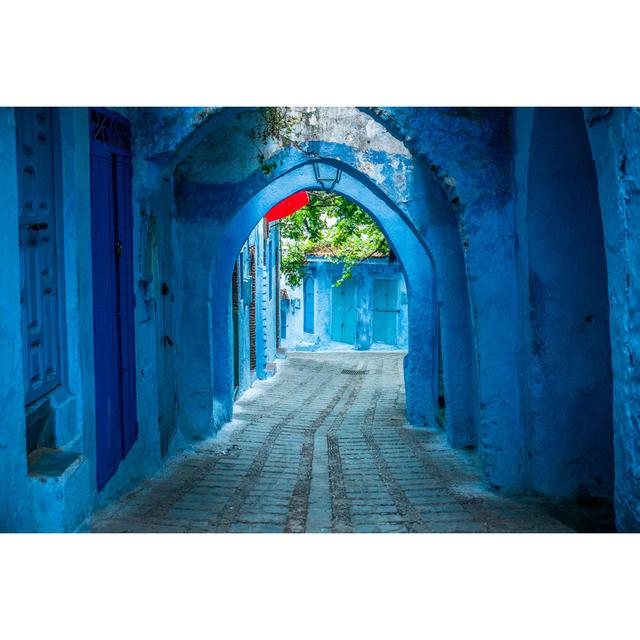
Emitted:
<point x="113" y="297"/>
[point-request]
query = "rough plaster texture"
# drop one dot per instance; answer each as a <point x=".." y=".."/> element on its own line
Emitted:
<point x="570" y="375"/>
<point x="480" y="203"/>
<point x="206" y="205"/>
<point x="15" y="497"/>
<point x="614" y="135"/>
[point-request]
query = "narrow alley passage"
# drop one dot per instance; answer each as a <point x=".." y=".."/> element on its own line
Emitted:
<point x="324" y="446"/>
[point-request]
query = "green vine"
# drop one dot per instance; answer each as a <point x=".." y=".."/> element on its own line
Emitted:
<point x="333" y="227"/>
<point x="275" y="125"/>
<point x="329" y="225"/>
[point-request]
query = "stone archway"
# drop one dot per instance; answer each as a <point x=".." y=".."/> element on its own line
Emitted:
<point x="422" y="361"/>
<point x="217" y="177"/>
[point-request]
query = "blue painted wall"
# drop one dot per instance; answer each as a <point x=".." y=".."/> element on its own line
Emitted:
<point x="570" y="374"/>
<point x="37" y="500"/>
<point x="365" y="321"/>
<point x="257" y="289"/>
<point x="502" y="220"/>
<point x="614" y="136"/>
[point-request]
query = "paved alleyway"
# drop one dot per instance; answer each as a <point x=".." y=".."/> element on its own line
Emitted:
<point x="324" y="446"/>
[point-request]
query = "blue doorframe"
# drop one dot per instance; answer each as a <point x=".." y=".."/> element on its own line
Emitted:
<point x="113" y="297"/>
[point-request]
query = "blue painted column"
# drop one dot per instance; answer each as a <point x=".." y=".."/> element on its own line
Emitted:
<point x="488" y="240"/>
<point x="421" y="363"/>
<point x="615" y="148"/>
<point x="200" y="412"/>
<point x="403" y="316"/>
<point x="459" y="364"/>
<point x="570" y="362"/>
<point x="458" y="356"/>
<point x="15" y="499"/>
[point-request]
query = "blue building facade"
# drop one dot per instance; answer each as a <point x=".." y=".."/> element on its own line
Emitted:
<point x="90" y="306"/>
<point x="120" y="332"/>
<point x="255" y="307"/>
<point x="367" y="310"/>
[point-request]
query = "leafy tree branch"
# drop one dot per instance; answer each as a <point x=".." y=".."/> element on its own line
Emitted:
<point x="333" y="227"/>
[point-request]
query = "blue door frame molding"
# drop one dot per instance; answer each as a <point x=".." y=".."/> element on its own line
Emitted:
<point x="113" y="296"/>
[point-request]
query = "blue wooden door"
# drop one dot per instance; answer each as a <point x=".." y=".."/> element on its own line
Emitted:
<point x="284" y="307"/>
<point x="39" y="252"/>
<point x="113" y="298"/>
<point x="308" y="304"/>
<point x="385" y="311"/>
<point x="343" y="312"/>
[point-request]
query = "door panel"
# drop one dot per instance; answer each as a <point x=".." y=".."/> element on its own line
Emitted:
<point x="385" y="310"/>
<point x="349" y="311"/>
<point x="113" y="299"/>
<point x="343" y="312"/>
<point x="309" y="304"/>
<point x="40" y="292"/>
<point x="283" y="321"/>
<point x="105" y="303"/>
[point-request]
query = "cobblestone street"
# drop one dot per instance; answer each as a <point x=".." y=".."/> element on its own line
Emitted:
<point x="324" y="446"/>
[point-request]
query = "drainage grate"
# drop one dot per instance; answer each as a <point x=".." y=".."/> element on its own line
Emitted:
<point x="354" y="372"/>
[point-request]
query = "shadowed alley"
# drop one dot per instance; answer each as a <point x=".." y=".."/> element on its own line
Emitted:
<point x="160" y="261"/>
<point x="323" y="446"/>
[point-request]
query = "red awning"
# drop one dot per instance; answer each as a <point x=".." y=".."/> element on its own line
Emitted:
<point x="288" y="206"/>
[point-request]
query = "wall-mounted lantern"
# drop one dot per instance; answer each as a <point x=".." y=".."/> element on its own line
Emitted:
<point x="328" y="177"/>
